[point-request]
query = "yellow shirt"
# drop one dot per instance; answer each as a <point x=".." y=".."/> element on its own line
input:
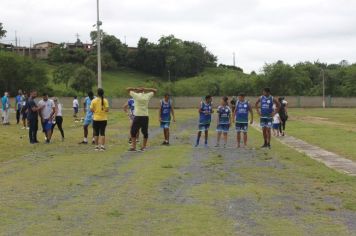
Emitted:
<point x="141" y="102"/>
<point x="99" y="112"/>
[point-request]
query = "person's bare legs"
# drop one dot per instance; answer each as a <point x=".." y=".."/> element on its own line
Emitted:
<point x="238" y="138"/>
<point x="218" y="138"/>
<point x="245" y="139"/>
<point x="206" y="137"/>
<point x="225" y="139"/>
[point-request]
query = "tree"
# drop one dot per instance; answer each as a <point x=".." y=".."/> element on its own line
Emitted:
<point x="63" y="74"/>
<point x="2" y="31"/>
<point x="83" y="80"/>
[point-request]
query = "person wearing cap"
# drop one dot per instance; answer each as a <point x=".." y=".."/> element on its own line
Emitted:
<point x="142" y="97"/>
<point x="165" y="114"/>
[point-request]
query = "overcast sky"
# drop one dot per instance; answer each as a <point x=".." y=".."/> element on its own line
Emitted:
<point x="259" y="31"/>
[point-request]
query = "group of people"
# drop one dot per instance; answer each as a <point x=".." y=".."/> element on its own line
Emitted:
<point x="273" y="115"/>
<point x="272" y="112"/>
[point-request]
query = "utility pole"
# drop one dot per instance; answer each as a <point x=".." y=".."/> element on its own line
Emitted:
<point x="323" y="75"/>
<point x="98" y="42"/>
<point x="234" y="58"/>
<point x="15" y="38"/>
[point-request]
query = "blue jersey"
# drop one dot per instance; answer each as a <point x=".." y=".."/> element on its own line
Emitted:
<point x="166" y="108"/>
<point x="241" y="112"/>
<point x="266" y="106"/>
<point x="19" y="101"/>
<point x="224" y="113"/>
<point x="89" y="113"/>
<point x="205" y="113"/>
<point x="131" y="105"/>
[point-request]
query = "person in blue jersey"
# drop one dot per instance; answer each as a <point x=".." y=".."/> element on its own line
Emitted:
<point x="166" y="112"/>
<point x="224" y="121"/>
<point x="19" y="99"/>
<point x="264" y="108"/>
<point x="241" y="117"/>
<point x="205" y="111"/>
<point x="129" y="109"/>
<point x="88" y="120"/>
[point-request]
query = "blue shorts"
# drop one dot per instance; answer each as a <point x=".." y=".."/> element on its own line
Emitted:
<point x="87" y="121"/>
<point x="204" y="127"/>
<point x="266" y="122"/>
<point x="47" y="125"/>
<point x="223" y="128"/>
<point x="242" y="127"/>
<point x="165" y="125"/>
<point x="75" y="109"/>
<point x="276" y="126"/>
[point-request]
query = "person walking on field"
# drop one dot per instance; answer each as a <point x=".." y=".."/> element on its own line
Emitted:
<point x="5" y="102"/>
<point x="19" y="99"/>
<point x="243" y="109"/>
<point x="24" y="112"/>
<point x="283" y="114"/>
<point x="142" y="97"/>
<point x="58" y="117"/>
<point x="88" y="120"/>
<point x="75" y="108"/>
<point x="205" y="111"/>
<point x="224" y="121"/>
<point x="32" y="116"/>
<point x="100" y="108"/>
<point x="129" y="109"/>
<point x="266" y="112"/>
<point x="47" y="114"/>
<point x="165" y="111"/>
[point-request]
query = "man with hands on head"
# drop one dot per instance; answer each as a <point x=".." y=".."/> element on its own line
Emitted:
<point x="47" y="114"/>
<point x="142" y="97"/>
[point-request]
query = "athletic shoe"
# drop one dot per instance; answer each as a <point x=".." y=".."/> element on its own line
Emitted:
<point x="130" y="141"/>
<point x="143" y="149"/>
<point x="217" y="145"/>
<point x="269" y="146"/>
<point x="63" y="139"/>
<point x="23" y="128"/>
<point x="196" y="145"/>
<point x="206" y="145"/>
<point x="97" y="148"/>
<point x="264" y="145"/>
<point x="83" y="142"/>
<point x="224" y="145"/>
<point x="93" y="142"/>
<point x="132" y="150"/>
<point x="27" y="128"/>
<point x="102" y="148"/>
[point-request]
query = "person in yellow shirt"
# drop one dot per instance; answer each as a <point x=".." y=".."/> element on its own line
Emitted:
<point x="142" y="97"/>
<point x="100" y="108"/>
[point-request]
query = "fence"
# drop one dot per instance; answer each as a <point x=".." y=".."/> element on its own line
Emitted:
<point x="192" y="102"/>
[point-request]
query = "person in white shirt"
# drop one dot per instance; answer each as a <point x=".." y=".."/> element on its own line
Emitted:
<point x="75" y="107"/>
<point x="276" y="124"/>
<point x="58" y="117"/>
<point x="47" y="114"/>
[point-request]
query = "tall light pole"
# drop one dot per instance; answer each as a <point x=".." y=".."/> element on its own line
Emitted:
<point x="234" y="58"/>
<point x="98" y="46"/>
<point x="323" y="75"/>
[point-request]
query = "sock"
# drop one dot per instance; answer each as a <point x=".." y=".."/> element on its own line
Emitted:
<point x="206" y="141"/>
<point x="85" y="140"/>
<point x="198" y="140"/>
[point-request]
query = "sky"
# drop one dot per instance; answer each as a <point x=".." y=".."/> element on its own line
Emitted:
<point x="258" y="31"/>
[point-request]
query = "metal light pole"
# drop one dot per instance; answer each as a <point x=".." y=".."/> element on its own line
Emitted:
<point x="323" y="74"/>
<point x="98" y="42"/>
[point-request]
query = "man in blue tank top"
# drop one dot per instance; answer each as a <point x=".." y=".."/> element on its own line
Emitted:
<point x="165" y="111"/>
<point x="205" y="111"/>
<point x="242" y="111"/>
<point x="266" y="112"/>
<point x="224" y="121"/>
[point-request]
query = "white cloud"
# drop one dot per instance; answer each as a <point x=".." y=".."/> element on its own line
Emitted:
<point x="259" y="31"/>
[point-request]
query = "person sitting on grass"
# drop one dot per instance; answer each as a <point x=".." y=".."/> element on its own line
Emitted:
<point x="205" y="111"/>
<point x="142" y="97"/>
<point x="164" y="114"/>
<point x="243" y="108"/>
<point x="224" y="121"/>
<point x="100" y="108"/>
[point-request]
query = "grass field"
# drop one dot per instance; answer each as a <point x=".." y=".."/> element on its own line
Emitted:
<point x="331" y="129"/>
<point x="68" y="189"/>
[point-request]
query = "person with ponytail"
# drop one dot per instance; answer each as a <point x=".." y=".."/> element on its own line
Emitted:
<point x="100" y="108"/>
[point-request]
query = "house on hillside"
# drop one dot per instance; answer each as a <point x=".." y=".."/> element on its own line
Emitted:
<point x="79" y="44"/>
